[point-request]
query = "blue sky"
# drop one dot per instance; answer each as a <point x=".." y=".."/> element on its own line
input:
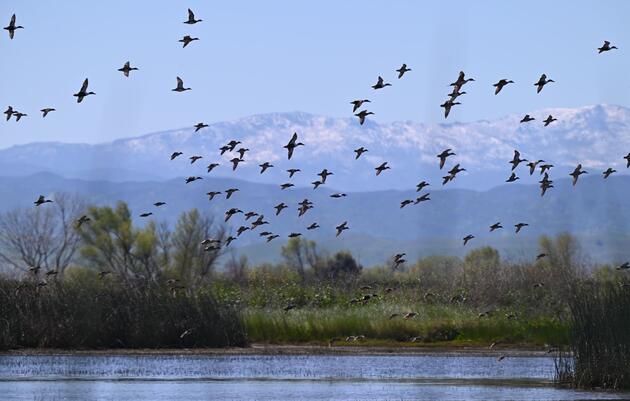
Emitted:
<point x="315" y="56"/>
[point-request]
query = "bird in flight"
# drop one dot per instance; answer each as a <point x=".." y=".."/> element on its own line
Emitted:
<point x="527" y="119"/>
<point x="421" y="185"/>
<point x="264" y="167"/>
<point x="279" y="207"/>
<point x="83" y="92"/>
<point x="402" y="70"/>
<point x="199" y="126"/>
<point x="605" y="47"/>
<point x="127" y="68"/>
<point x="519" y="226"/>
<point x="442" y="156"/>
<point x="359" y="152"/>
<point x="576" y="173"/>
<point x="362" y="115"/>
<point x="9" y="113"/>
<point x="341" y="228"/>
<point x="356" y="104"/>
<point x="468" y="238"/>
<point x="447" y="107"/>
<point x="41" y="200"/>
<point x="194" y="158"/>
<point x="186" y="40"/>
<point x="380" y="84"/>
<point x="46" y="110"/>
<point x="512" y="178"/>
<point x="499" y="85"/>
<point x="381" y="168"/>
<point x="290" y="147"/>
<point x="292" y="171"/>
<point x="608" y="172"/>
<point x="82" y="220"/>
<point x="192" y="179"/>
<point x="516" y="160"/>
<point x="542" y="81"/>
<point x="229" y="192"/>
<point x="191" y="18"/>
<point x="180" y="86"/>
<point x="422" y="198"/>
<point x="549" y="120"/>
<point x="176" y="154"/>
<point x="532" y="166"/>
<point x="147" y="214"/>
<point x="495" y="226"/>
<point x="12" y="27"/>
<point x="19" y="115"/>
<point x="324" y="174"/>
<point x="158" y="204"/>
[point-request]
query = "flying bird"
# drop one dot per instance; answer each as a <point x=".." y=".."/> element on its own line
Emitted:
<point x="421" y="185"/>
<point x="147" y="214"/>
<point x="461" y="81"/>
<point x="405" y="203"/>
<point x="362" y="115"/>
<point x="443" y="156"/>
<point x="468" y="238"/>
<point x="212" y="194"/>
<point x="532" y="166"/>
<point x="186" y="40"/>
<point x="191" y="18"/>
<point x="158" y="204"/>
<point x="313" y="226"/>
<point x="495" y="226"/>
<point x="176" y="154"/>
<point x="231" y="212"/>
<point x="527" y="119"/>
<point x="499" y="85"/>
<point x="264" y="167"/>
<point x="212" y="166"/>
<point x="341" y="228"/>
<point x="512" y="178"/>
<point x="381" y="168"/>
<point x="447" y="107"/>
<point x="229" y="192"/>
<point x="279" y="207"/>
<point x="542" y="81"/>
<point x="627" y="157"/>
<point x="192" y="179"/>
<point x="359" y="152"/>
<point x="380" y="84"/>
<point x="46" y="110"/>
<point x="324" y="174"/>
<point x="235" y="161"/>
<point x="605" y="47"/>
<point x="41" y="200"/>
<point x="549" y="120"/>
<point x="9" y="113"/>
<point x="402" y="70"/>
<point x="18" y="115"/>
<point x="286" y="185"/>
<point x="199" y="126"/>
<point x="356" y="104"/>
<point x="576" y="173"/>
<point x="180" y="86"/>
<point x="516" y="160"/>
<point x="519" y="226"/>
<point x="12" y="27"/>
<point x="83" y="92"/>
<point x="127" y="68"/>
<point x="82" y="220"/>
<point x="608" y="172"/>
<point x="290" y="147"/>
<point x="292" y="171"/>
<point x="194" y="158"/>
<point x="422" y="198"/>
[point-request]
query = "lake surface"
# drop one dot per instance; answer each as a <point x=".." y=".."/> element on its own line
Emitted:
<point x="310" y="377"/>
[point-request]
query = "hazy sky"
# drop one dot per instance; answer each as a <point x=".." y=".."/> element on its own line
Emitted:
<point x="315" y="56"/>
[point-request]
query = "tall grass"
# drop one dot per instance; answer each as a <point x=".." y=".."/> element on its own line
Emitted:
<point x="600" y="337"/>
<point x="109" y="314"/>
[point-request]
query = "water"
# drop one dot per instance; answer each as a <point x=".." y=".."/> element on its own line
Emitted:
<point x="312" y="377"/>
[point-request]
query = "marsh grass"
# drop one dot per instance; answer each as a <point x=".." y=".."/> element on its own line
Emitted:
<point x="76" y="314"/>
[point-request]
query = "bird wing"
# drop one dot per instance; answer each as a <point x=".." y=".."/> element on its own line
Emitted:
<point x="191" y="15"/>
<point x="12" y="23"/>
<point x="180" y="83"/>
<point x="380" y="80"/>
<point x="606" y="43"/>
<point x="85" y="85"/>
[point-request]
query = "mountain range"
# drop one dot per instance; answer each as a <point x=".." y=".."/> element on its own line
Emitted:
<point x="596" y="136"/>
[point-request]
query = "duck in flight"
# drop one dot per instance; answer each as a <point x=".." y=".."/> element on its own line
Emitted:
<point x="81" y="94"/>
<point x="147" y="214"/>
<point x="212" y="166"/>
<point x="455" y="94"/>
<point x="605" y="47"/>
<point x="495" y="226"/>
<point x="468" y="238"/>
<point x="545" y="167"/>
<point x="127" y="68"/>
<point x="46" y="110"/>
<point x="362" y="115"/>
<point x="313" y="226"/>
<point x="512" y="178"/>
<point x="447" y="107"/>
<point x="235" y="161"/>
<point x="229" y="192"/>
<point x="176" y="154"/>
<point x="422" y="198"/>
<point x="324" y="174"/>
<point x="180" y="86"/>
<point x="212" y="194"/>
<point x="402" y="70"/>
<point x="279" y="207"/>
<point x="186" y="40"/>
<point x="381" y="168"/>
<point x="9" y="112"/>
<point x="356" y="104"/>
<point x="359" y="152"/>
<point x="532" y="166"/>
<point x="292" y="171"/>
<point x="542" y="81"/>
<point x="194" y="158"/>
<point x="264" y="167"/>
<point x="82" y="220"/>
<point x="516" y="160"/>
<point x="519" y="226"/>
<point x="231" y="212"/>
<point x="627" y="157"/>
<point x="192" y="179"/>
<point x="158" y="204"/>
<point x="41" y="200"/>
<point x="290" y="147"/>
<point x="12" y="27"/>
<point x="191" y="18"/>
<point x="380" y="84"/>
<point x="341" y="228"/>
<point x="499" y="85"/>
<point x="316" y="184"/>
<point x="286" y="185"/>
<point x="461" y="81"/>
<point x="608" y="172"/>
<point x="527" y="119"/>
<point x="421" y="185"/>
<point x="443" y="156"/>
<point x="549" y="120"/>
<point x="199" y="126"/>
<point x="576" y="173"/>
<point x="19" y="115"/>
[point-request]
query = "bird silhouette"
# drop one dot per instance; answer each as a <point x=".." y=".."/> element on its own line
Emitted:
<point x="294" y="235"/>
<point x="19" y="115"/>
<point x="338" y="195"/>
<point x="286" y="185"/>
<point x="241" y="152"/>
<point x="627" y="157"/>
<point x="186" y="40"/>
<point x="272" y="237"/>
<point x="359" y="152"/>
<point x="447" y="107"/>
<point x="158" y="204"/>
<point x="495" y="226"/>
<point x="192" y="179"/>
<point x="542" y="81"/>
<point x="519" y="227"/>
<point x="605" y="47"/>
<point x="127" y="68"/>
<point x="468" y="238"/>
<point x="229" y="192"/>
<point x="341" y="228"/>
<point x="362" y="115"/>
<point x="235" y="161"/>
<point x="421" y="185"/>
<point x="313" y="226"/>
<point x="290" y="147"/>
<point x="624" y="266"/>
<point x="180" y="86"/>
<point x="9" y="112"/>
<point x="231" y="212"/>
<point x="527" y="118"/>
<point x="12" y="27"/>
<point x="147" y="214"/>
<point x="191" y="18"/>
<point x="405" y="203"/>
<point x="381" y="168"/>
<point x="516" y="160"/>
<point x="356" y="104"/>
<point x="324" y="174"/>
<point x="545" y="167"/>
<point x="212" y="194"/>
<point x="455" y="94"/>
<point x="461" y="81"/>
<point x="199" y="126"/>
<point x="264" y="167"/>
<point x="512" y="178"/>
<point x="443" y="156"/>
<point x="212" y="166"/>
<point x="82" y="93"/>
<point x="316" y="184"/>
<point x="380" y="84"/>
<point x="402" y="70"/>
<point x="46" y="110"/>
<point x="532" y="166"/>
<point x="422" y="198"/>
<point x="193" y="159"/>
<point x="176" y="154"/>
<point x="279" y="207"/>
<point x="499" y="85"/>
<point x="83" y="220"/>
<point x="576" y="173"/>
<point x="41" y="200"/>
<point x="541" y="256"/>
<point x="549" y="120"/>
<point x="608" y="172"/>
<point x="292" y="171"/>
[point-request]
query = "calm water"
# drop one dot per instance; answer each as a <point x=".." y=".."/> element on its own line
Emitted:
<point x="190" y="378"/>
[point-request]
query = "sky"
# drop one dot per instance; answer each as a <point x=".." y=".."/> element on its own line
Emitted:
<point x="315" y="56"/>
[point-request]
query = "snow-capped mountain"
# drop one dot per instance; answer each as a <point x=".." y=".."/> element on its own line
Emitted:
<point x="596" y="136"/>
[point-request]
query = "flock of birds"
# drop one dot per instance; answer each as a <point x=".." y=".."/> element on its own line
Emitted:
<point x="293" y="144"/>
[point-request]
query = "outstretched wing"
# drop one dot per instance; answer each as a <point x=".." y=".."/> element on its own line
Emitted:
<point x="12" y="23"/>
<point x="180" y="83"/>
<point x="84" y="86"/>
<point x="191" y="15"/>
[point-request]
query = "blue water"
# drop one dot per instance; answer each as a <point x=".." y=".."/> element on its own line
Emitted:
<point x="313" y="377"/>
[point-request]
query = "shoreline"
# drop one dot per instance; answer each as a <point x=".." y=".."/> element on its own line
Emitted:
<point x="291" y="350"/>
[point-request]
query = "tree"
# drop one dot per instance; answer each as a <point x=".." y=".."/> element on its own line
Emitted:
<point x="342" y="266"/>
<point x="43" y="236"/>
<point x="482" y="271"/>
<point x="190" y="259"/>
<point x="111" y="243"/>
<point x="301" y="254"/>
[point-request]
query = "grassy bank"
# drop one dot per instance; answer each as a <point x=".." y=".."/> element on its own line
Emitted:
<point x="434" y="325"/>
